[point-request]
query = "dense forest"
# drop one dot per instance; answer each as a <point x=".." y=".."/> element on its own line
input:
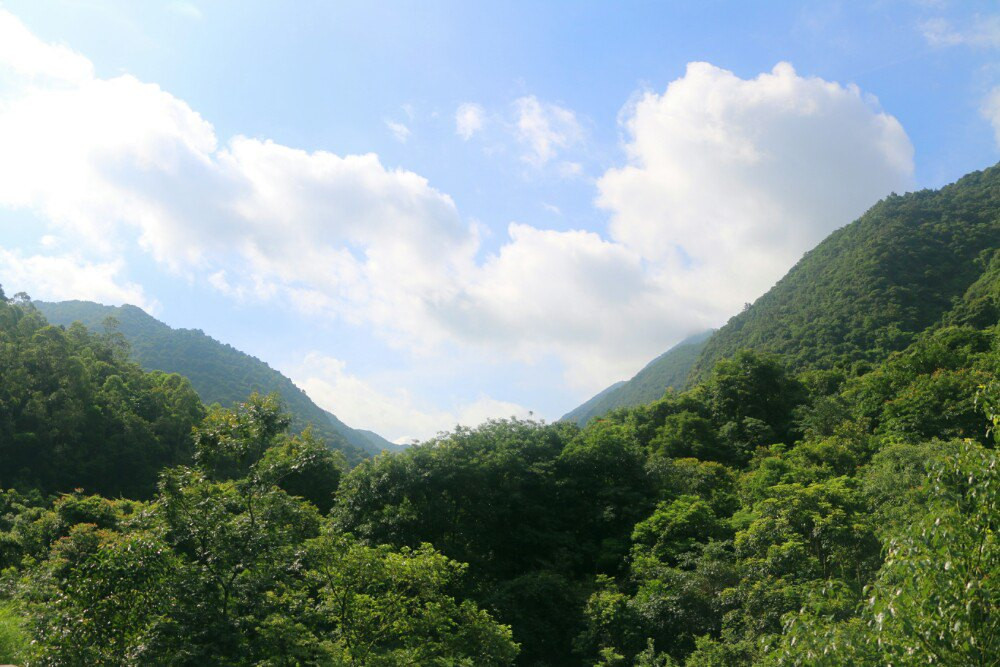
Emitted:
<point x="823" y="492"/>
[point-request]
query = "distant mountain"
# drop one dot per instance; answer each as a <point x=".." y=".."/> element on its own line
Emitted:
<point x="218" y="372"/>
<point x="670" y="369"/>
<point x="871" y="287"/>
<point x="593" y="407"/>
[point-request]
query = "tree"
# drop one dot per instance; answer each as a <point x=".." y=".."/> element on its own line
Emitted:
<point x="753" y="400"/>
<point x="935" y="600"/>
<point x="304" y="467"/>
<point x="230" y="441"/>
<point x="378" y="606"/>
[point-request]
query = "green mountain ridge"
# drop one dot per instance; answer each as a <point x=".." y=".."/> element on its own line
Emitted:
<point x="669" y="370"/>
<point x="218" y="372"/>
<point x="865" y="291"/>
<point x="582" y="413"/>
<point x="872" y="286"/>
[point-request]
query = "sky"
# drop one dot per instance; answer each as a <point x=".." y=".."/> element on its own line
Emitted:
<point x="432" y="213"/>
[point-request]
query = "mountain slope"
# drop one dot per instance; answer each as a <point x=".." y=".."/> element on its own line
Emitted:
<point x="592" y="407"/>
<point x="872" y="286"/>
<point x="670" y="369"/>
<point x="219" y="372"/>
<point x="980" y="307"/>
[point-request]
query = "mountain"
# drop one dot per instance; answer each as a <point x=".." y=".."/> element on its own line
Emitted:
<point x="670" y="369"/>
<point x="593" y="407"/>
<point x="871" y="287"/>
<point x="218" y="372"/>
<point x="76" y="413"/>
<point x="866" y="291"/>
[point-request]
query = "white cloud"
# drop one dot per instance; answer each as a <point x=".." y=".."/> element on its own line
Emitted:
<point x="544" y="129"/>
<point x="400" y="131"/>
<point x="469" y="119"/>
<point x="984" y="32"/>
<point x="58" y="278"/>
<point x="26" y="55"/>
<point x="990" y="110"/>
<point x="729" y="180"/>
<point x="593" y="302"/>
<point x="396" y="414"/>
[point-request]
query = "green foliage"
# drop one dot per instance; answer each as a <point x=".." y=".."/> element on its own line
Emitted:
<point x="304" y="467"/>
<point x="753" y="399"/>
<point x="686" y="434"/>
<point x="935" y="599"/>
<point x="362" y="591"/>
<point x="13" y="637"/>
<point x="497" y="497"/>
<point x="100" y="598"/>
<point x="675" y="528"/>
<point x="929" y="390"/>
<point x="230" y="442"/>
<point x="980" y="305"/>
<point x="232" y="570"/>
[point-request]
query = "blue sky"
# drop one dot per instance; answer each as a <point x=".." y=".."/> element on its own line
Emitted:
<point x="431" y="212"/>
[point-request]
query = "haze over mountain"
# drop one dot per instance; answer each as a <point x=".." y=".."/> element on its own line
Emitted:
<point x="668" y="371"/>
<point x="219" y="372"/>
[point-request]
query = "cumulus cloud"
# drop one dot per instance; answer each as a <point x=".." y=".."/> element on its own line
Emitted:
<point x="469" y="119"/>
<point x="544" y="129"/>
<point x="990" y="110"/>
<point x="983" y="32"/>
<point x="57" y="278"/>
<point x="395" y="414"/>
<point x="26" y="55"/>
<point x="108" y="161"/>
<point x="594" y="301"/>
<point x="730" y="180"/>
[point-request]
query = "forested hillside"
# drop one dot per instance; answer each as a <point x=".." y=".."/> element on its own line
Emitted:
<point x="76" y="413"/>
<point x="872" y="286"/>
<point x="219" y="373"/>
<point x="738" y="523"/>
<point x="668" y="371"/>
<point x="820" y="503"/>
